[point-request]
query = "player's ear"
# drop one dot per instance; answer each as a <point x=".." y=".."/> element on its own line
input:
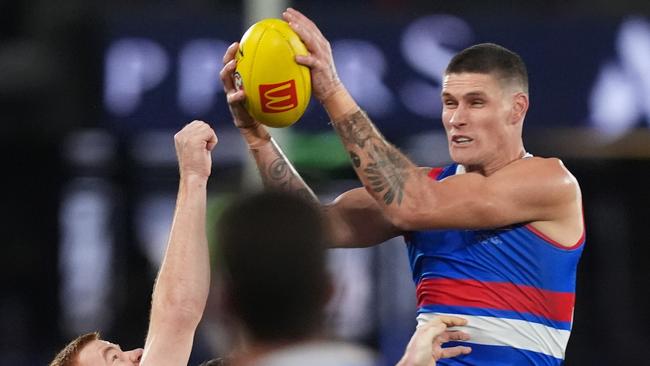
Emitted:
<point x="519" y="107"/>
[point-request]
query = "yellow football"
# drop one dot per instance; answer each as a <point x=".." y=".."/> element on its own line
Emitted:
<point x="277" y="88"/>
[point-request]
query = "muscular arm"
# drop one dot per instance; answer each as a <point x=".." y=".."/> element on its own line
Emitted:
<point x="182" y="286"/>
<point x="276" y="171"/>
<point x="534" y="190"/>
<point x="359" y="220"/>
<point x="524" y="191"/>
<point x="354" y="218"/>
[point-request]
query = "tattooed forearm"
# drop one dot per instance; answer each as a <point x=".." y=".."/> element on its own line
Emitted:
<point x="277" y="173"/>
<point x="356" y="160"/>
<point x="387" y="172"/>
<point x="379" y="165"/>
<point x="354" y="130"/>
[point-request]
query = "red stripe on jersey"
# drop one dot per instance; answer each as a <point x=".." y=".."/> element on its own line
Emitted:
<point x="435" y="172"/>
<point x="551" y="305"/>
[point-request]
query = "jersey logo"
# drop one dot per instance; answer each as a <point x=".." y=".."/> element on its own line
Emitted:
<point x="488" y="237"/>
<point x="280" y="97"/>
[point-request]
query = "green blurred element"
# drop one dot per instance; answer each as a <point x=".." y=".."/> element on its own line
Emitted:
<point x="216" y="204"/>
<point x="316" y="150"/>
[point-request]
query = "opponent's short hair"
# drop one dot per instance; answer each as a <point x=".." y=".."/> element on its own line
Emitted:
<point x="272" y="253"/>
<point x="490" y="58"/>
<point x="68" y="355"/>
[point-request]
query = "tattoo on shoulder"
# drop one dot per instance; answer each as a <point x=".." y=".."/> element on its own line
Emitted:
<point x="387" y="172"/>
<point x="355" y="129"/>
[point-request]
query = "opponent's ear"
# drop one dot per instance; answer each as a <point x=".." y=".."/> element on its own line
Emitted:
<point x="519" y="107"/>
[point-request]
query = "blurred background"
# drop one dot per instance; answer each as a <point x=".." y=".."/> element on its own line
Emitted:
<point x="91" y="93"/>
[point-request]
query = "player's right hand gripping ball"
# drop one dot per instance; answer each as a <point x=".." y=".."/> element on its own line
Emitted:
<point x="277" y="88"/>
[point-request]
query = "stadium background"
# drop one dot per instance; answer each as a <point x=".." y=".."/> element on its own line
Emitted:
<point x="92" y="92"/>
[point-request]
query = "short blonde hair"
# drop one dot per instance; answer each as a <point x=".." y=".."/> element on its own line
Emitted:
<point x="68" y="355"/>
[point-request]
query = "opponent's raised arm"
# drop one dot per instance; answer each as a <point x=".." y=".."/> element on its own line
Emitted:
<point x="182" y="286"/>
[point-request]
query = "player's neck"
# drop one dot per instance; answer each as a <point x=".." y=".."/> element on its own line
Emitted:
<point x="499" y="162"/>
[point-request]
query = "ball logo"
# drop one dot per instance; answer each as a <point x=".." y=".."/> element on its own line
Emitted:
<point x="239" y="83"/>
<point x="280" y="97"/>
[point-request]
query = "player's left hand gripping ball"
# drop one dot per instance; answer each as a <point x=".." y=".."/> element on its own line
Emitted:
<point x="277" y="88"/>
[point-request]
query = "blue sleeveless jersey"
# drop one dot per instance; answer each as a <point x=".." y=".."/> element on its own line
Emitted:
<point x="515" y="287"/>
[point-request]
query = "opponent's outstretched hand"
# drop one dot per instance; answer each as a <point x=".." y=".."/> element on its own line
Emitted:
<point x="324" y="78"/>
<point x="235" y="98"/>
<point x="425" y="347"/>
<point x="193" y="146"/>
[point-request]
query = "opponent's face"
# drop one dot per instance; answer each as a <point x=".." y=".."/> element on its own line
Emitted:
<point x="477" y="113"/>
<point x="104" y="353"/>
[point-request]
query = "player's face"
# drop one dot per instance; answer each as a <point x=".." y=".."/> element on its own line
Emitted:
<point x="104" y="353"/>
<point x="475" y="112"/>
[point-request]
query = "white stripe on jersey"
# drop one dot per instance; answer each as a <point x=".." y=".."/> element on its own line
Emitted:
<point x="511" y="332"/>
